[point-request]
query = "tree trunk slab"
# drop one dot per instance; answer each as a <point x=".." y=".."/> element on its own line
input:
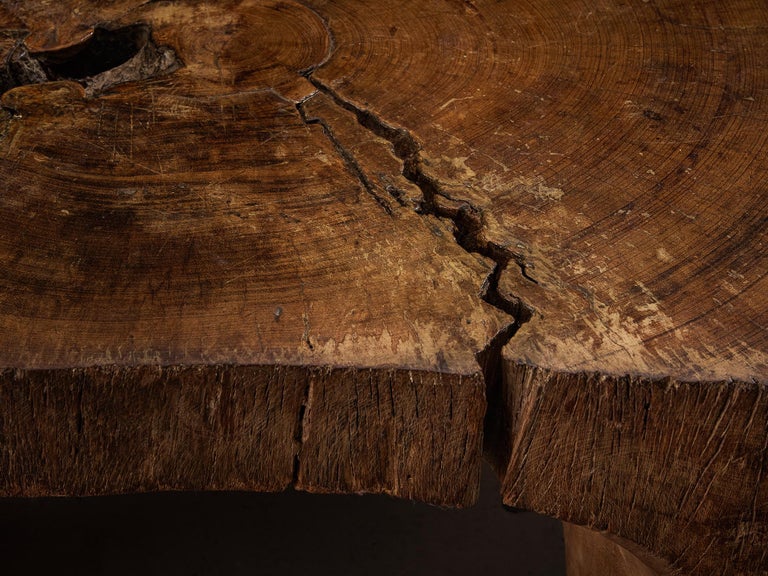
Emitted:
<point x="353" y="248"/>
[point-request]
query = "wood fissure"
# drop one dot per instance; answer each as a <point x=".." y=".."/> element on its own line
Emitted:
<point x="301" y="430"/>
<point x="466" y="218"/>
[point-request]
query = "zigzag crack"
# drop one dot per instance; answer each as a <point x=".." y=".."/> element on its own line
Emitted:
<point x="466" y="218"/>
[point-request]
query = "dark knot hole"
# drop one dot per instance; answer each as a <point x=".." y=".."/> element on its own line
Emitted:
<point x="104" y="50"/>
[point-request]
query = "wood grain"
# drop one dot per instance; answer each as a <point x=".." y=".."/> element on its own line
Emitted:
<point x="552" y="212"/>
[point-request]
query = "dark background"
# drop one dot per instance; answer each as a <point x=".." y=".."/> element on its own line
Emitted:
<point x="228" y="534"/>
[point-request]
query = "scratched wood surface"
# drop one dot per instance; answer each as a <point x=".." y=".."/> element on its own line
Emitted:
<point x="248" y="244"/>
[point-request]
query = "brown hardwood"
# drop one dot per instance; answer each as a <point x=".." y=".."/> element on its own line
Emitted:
<point x="353" y="247"/>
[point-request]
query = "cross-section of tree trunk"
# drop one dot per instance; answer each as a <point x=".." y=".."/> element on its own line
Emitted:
<point x="251" y="243"/>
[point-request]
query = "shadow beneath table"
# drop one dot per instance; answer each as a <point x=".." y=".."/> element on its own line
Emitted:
<point x="293" y="533"/>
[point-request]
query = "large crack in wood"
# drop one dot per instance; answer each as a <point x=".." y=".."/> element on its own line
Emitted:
<point x="466" y="218"/>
